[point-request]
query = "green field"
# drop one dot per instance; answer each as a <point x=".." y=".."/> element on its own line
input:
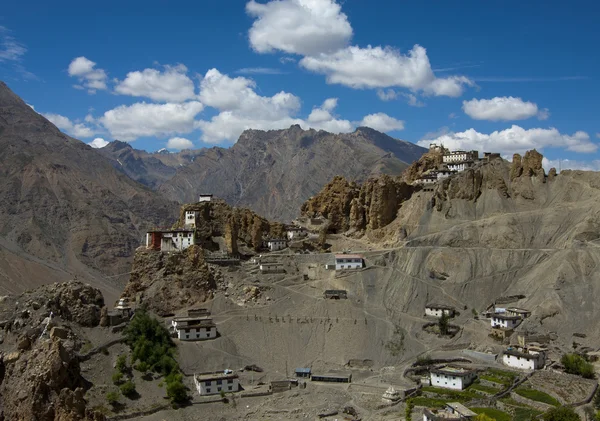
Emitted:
<point x="486" y="389"/>
<point x="525" y="414"/>
<point x="536" y="395"/>
<point x="493" y="413"/>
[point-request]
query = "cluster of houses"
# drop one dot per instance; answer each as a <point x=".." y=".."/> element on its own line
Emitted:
<point x="452" y="163"/>
<point x="505" y="320"/>
<point x="452" y="411"/>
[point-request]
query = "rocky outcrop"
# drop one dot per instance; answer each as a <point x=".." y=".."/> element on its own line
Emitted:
<point x="45" y="384"/>
<point x="166" y="282"/>
<point x="346" y="205"/>
<point x="430" y="160"/>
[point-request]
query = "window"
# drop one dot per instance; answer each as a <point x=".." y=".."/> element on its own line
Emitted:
<point x="218" y="388"/>
<point x="187" y="336"/>
<point x="206" y="383"/>
<point x="229" y="381"/>
<point x="219" y="382"/>
<point x="230" y="388"/>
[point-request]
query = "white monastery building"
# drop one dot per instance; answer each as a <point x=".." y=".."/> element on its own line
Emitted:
<point x="170" y="240"/>
<point x="448" y="377"/>
<point x="531" y="358"/>
<point x="436" y="310"/>
<point x="194" y="328"/>
<point x="190" y="218"/>
<point x="215" y="383"/>
<point x="460" y="156"/>
<point x="205" y="198"/>
<point x="348" y="261"/>
<point x="276" y="244"/>
<point x="505" y="321"/>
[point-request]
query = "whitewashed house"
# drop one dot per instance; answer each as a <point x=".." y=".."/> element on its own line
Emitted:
<point x="348" y="261"/>
<point x="436" y="310"/>
<point x="429" y="178"/>
<point x="449" y="377"/>
<point x="205" y="198"/>
<point x="526" y="358"/>
<point x="276" y="244"/>
<point x="170" y="240"/>
<point x="453" y="411"/>
<point x="294" y="233"/>
<point x="215" y="383"/>
<point x="505" y="321"/>
<point x="458" y="166"/>
<point x="441" y="174"/>
<point x="515" y="311"/>
<point x="194" y="328"/>
<point x="190" y="218"/>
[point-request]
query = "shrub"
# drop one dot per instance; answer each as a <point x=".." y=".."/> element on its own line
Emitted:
<point x="176" y="390"/>
<point x="564" y="413"/>
<point x="117" y="377"/>
<point x="443" y="324"/>
<point x="121" y="365"/>
<point x="408" y="410"/>
<point x="112" y="398"/>
<point x="142" y="367"/>
<point x="576" y="364"/>
<point x="128" y="388"/>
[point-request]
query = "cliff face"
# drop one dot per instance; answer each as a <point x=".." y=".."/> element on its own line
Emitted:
<point x="346" y="205"/>
<point x="166" y="282"/>
<point x="430" y="160"/>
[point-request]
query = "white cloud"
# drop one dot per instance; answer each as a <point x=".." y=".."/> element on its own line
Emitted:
<point x="259" y="71"/>
<point x="98" y="143"/>
<point x="322" y="118"/>
<point x="179" y="143"/>
<point x="382" y="122"/>
<point x="88" y="75"/>
<point x="172" y="85"/>
<point x="304" y="27"/>
<point x="390" y="94"/>
<point x="598" y="135"/>
<point x="503" y="109"/>
<point x="377" y="67"/>
<point x="514" y="139"/>
<point x="78" y="130"/>
<point x="127" y="123"/>
<point x="10" y="48"/>
<point x="287" y="59"/>
<point x="568" y="164"/>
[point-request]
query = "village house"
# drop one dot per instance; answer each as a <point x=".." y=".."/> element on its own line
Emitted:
<point x="205" y="198"/>
<point x="514" y="311"/>
<point x="436" y="310"/>
<point x="271" y="268"/>
<point x="295" y="233"/>
<point x="302" y="372"/>
<point x="449" y="377"/>
<point x="453" y="411"/>
<point x="347" y="261"/>
<point x="524" y="358"/>
<point x="170" y="240"/>
<point x="429" y="178"/>
<point x="196" y="328"/>
<point x="445" y="173"/>
<point x="216" y="382"/>
<point x="335" y="294"/>
<point x="276" y="244"/>
<point x="505" y="321"/>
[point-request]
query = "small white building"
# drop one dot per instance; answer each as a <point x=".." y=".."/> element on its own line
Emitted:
<point x="525" y="358"/>
<point x="294" y="233"/>
<point x="348" y="261"/>
<point x="429" y="178"/>
<point x="190" y="218"/>
<point x="505" y="321"/>
<point x="205" y="198"/>
<point x="459" y="166"/>
<point x="449" y="377"/>
<point x="453" y="411"/>
<point x="460" y="156"/>
<point x="276" y="244"/>
<point x="271" y="267"/>
<point x="217" y="382"/>
<point x="170" y="240"/>
<point x="436" y="310"/>
<point x="194" y="328"/>
<point x="441" y="174"/>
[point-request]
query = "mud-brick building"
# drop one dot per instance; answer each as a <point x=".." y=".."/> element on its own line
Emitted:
<point x="213" y="383"/>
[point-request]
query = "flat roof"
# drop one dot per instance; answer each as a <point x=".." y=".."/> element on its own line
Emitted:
<point x="440" y="306"/>
<point x="302" y="370"/>
<point x="336" y="291"/>
<point x="276" y="239"/>
<point x="171" y="230"/>
<point x="191" y="319"/>
<point x="210" y="324"/>
<point x="452" y="371"/>
<point x="333" y="375"/>
<point x="219" y="375"/>
<point x="348" y="256"/>
<point x="205" y="195"/>
<point x="504" y="317"/>
<point x="516" y="353"/>
<point x="460" y="408"/>
<point x="518" y="310"/>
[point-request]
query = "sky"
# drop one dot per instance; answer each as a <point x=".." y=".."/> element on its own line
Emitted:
<point x="492" y="76"/>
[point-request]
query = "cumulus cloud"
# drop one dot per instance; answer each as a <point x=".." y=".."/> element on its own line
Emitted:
<point x="78" y="130"/>
<point x="322" y="118"/>
<point x="503" y="109"/>
<point x="179" y="143"/>
<point x="172" y="85"/>
<point x="128" y="123"/>
<point x="569" y="164"/>
<point x="88" y="75"/>
<point x="98" y="143"/>
<point x="514" y="139"/>
<point x="305" y="27"/>
<point x="382" y="122"/>
<point x="390" y="94"/>
<point x="384" y="67"/>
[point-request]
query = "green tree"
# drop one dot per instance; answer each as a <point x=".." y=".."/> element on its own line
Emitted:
<point x="409" y="410"/>
<point x="563" y="413"/>
<point x="112" y="398"/>
<point x="597" y="399"/>
<point x="176" y="390"/>
<point x="443" y="323"/>
<point x="128" y="388"/>
<point x="576" y="364"/>
<point x="117" y="377"/>
<point x="121" y="364"/>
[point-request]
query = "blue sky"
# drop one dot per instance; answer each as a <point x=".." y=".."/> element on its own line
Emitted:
<point x="470" y="74"/>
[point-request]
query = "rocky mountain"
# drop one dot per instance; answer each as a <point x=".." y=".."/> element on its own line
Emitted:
<point x="64" y="209"/>
<point x="271" y="172"/>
